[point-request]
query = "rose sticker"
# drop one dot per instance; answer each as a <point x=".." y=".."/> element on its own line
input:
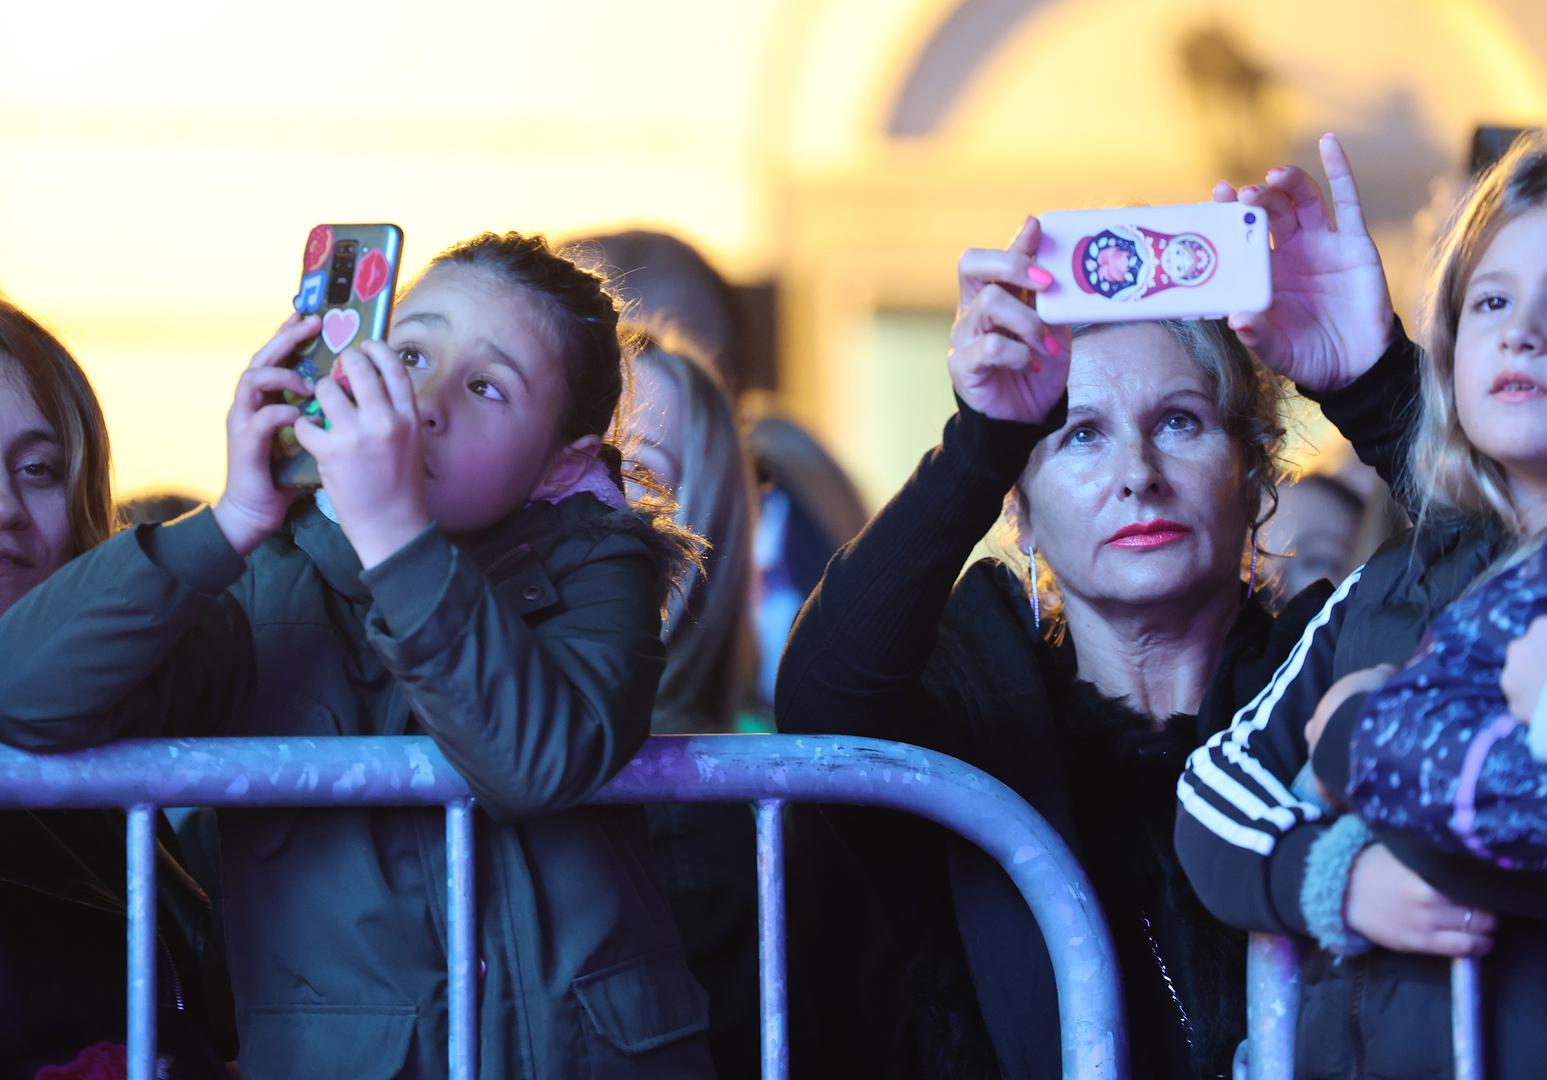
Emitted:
<point x="1112" y="264"/>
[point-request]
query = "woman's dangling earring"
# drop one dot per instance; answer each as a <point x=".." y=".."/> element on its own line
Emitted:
<point x="1251" y="584"/>
<point x="1031" y="587"/>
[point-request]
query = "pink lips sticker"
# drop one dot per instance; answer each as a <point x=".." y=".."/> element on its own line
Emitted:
<point x="339" y="328"/>
<point x="371" y="275"/>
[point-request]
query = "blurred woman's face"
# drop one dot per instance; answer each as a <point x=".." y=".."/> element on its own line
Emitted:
<point x="34" y="492"/>
<point x="1136" y="500"/>
<point x="656" y="426"/>
<point x="1317" y="530"/>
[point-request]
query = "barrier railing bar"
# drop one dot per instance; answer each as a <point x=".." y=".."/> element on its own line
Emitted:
<point x="1466" y="1017"/>
<point x="841" y="770"/>
<point x="411" y="771"/>
<point x="141" y="859"/>
<point x="1272" y="1006"/>
<point x="771" y="939"/>
<point x="461" y="951"/>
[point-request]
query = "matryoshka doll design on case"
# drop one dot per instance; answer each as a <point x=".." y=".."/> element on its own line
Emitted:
<point x="1131" y="262"/>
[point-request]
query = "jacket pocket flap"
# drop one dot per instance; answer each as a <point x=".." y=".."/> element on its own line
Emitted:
<point x="643" y="1004"/>
<point x="364" y="1042"/>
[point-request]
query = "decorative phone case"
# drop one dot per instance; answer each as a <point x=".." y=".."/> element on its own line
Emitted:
<point x="1199" y="260"/>
<point x="348" y="276"/>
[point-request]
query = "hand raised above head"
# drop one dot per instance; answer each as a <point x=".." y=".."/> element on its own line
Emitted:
<point x="1331" y="317"/>
<point x="1005" y="362"/>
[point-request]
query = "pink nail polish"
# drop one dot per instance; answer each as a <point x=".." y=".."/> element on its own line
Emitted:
<point x="1038" y="276"/>
<point x="1050" y="343"/>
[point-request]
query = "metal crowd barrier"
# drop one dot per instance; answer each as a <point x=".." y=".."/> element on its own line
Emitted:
<point x="1273" y="1006"/>
<point x="766" y="770"/>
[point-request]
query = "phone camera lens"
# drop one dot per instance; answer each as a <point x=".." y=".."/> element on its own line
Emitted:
<point x="1251" y="218"/>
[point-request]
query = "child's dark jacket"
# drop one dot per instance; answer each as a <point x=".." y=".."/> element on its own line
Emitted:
<point x="531" y="656"/>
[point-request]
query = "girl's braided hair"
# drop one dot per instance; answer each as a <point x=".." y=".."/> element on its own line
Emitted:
<point x="583" y="321"/>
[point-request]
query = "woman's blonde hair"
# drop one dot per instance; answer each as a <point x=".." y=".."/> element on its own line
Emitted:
<point x="710" y="648"/>
<point x="65" y="398"/>
<point x="1250" y="399"/>
<point x="1446" y="473"/>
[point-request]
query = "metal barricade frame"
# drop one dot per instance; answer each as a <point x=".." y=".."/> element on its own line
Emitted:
<point x="1273" y="1010"/>
<point x="766" y="771"/>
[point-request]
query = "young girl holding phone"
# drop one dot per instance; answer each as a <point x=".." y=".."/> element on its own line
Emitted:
<point x="1263" y="852"/>
<point x="473" y="573"/>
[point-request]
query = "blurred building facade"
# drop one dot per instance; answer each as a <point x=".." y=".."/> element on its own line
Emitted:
<point x="163" y="164"/>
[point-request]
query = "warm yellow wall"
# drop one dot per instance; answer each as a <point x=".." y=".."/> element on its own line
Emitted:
<point x="163" y="162"/>
<point x="1084" y="104"/>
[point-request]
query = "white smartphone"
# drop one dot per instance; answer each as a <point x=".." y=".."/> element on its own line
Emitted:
<point x="1196" y="261"/>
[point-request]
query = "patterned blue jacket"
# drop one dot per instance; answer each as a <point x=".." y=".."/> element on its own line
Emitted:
<point x="1436" y="754"/>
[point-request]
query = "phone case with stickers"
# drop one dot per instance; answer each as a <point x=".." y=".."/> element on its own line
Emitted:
<point x="1195" y="261"/>
<point x="348" y="276"/>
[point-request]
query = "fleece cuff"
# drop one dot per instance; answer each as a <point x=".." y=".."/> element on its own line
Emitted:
<point x="1325" y="885"/>
<point x="1305" y="789"/>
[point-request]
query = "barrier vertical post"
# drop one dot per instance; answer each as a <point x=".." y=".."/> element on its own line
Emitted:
<point x="770" y="941"/>
<point x="141" y="841"/>
<point x="461" y="919"/>
<point x="1466" y="1017"/>
<point x="1272" y="1006"/>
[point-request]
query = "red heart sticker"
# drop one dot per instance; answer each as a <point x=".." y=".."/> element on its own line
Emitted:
<point x="370" y="274"/>
<point x="319" y="245"/>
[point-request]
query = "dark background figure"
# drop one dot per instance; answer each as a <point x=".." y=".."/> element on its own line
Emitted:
<point x="809" y="508"/>
<point x="664" y="277"/>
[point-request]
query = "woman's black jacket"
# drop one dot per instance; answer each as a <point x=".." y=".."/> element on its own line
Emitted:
<point x="891" y="645"/>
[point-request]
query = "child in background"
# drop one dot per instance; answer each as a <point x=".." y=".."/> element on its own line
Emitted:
<point x="471" y="571"/>
<point x="1375" y="999"/>
<point x="1438" y="758"/>
<point x="685" y="433"/>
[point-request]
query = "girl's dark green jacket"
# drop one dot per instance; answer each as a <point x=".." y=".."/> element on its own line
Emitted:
<point x="530" y="655"/>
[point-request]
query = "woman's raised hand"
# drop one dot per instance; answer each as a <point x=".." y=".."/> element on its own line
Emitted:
<point x="1394" y="907"/>
<point x="252" y="506"/>
<point x="1005" y="362"/>
<point x="1331" y="317"/>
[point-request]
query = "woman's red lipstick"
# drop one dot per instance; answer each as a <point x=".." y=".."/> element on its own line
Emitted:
<point x="1148" y="534"/>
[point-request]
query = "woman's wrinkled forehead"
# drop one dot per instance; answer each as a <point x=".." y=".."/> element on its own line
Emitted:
<point x="1131" y="366"/>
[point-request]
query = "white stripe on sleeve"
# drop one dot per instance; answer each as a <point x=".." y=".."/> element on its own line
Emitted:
<point x="1276" y="806"/>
